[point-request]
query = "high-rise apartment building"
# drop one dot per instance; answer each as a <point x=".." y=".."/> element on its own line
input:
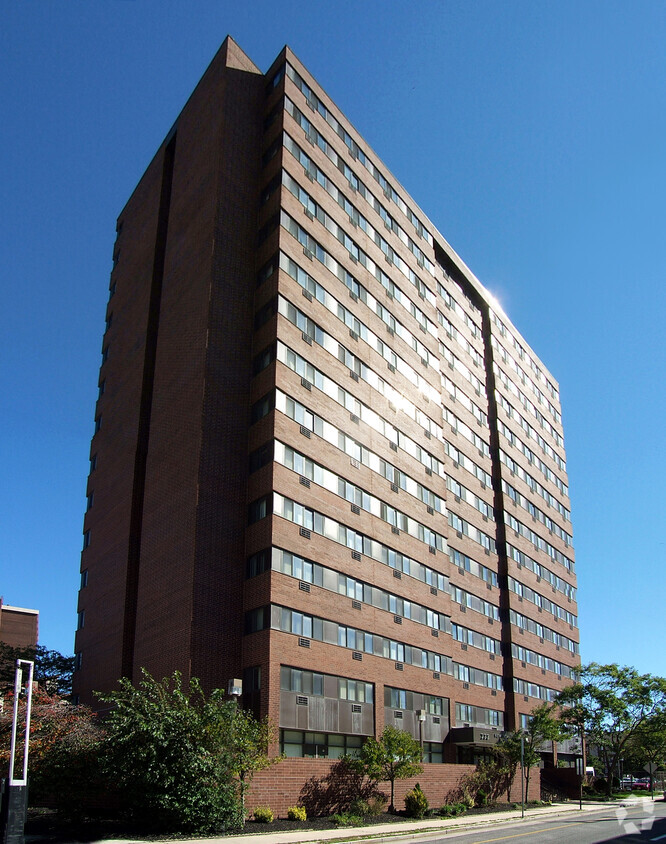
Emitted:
<point x="324" y="459"/>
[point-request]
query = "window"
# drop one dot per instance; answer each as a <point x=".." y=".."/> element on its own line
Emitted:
<point x="263" y="359"/>
<point x="264" y="313"/>
<point x="77" y="661"/>
<point x="105" y="354"/>
<point x="294" y="743"/>
<point x="86" y="539"/>
<point x="109" y="320"/>
<point x="432" y="751"/>
<point x="259" y="509"/>
<point x="262" y="407"/>
<point x="112" y="290"/>
<point x="98" y="423"/>
<point x="93" y="463"/>
<point x="81" y="620"/>
<point x="84" y="578"/>
<point x="89" y="500"/>
<point x="261" y="456"/>
<point x="252" y="679"/>
<point x="258" y="563"/>
<point x="102" y="387"/>
<point x="256" y="619"/>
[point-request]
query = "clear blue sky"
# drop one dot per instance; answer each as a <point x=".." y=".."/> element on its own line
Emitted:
<point x="533" y="134"/>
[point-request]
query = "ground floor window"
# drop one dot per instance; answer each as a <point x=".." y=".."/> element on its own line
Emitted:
<point x="470" y="755"/>
<point x="295" y="743"/>
<point x="432" y="751"/>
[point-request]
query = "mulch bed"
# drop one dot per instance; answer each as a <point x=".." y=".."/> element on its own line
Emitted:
<point x="44" y="826"/>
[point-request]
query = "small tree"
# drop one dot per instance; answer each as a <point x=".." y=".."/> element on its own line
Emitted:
<point x="542" y="726"/>
<point x="611" y="704"/>
<point x="248" y="741"/>
<point x="396" y="756"/>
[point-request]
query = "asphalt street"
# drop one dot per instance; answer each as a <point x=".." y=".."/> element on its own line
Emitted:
<point x="628" y="824"/>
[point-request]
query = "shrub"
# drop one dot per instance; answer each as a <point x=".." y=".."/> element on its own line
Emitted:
<point x="264" y="814"/>
<point x="297" y="813"/>
<point x="376" y="805"/>
<point x="452" y="810"/>
<point x="347" y="819"/>
<point x="416" y="803"/>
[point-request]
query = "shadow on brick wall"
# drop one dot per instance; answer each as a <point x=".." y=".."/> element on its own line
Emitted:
<point x="336" y="791"/>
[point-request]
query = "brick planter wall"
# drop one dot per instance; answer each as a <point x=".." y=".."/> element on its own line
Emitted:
<point x="282" y="786"/>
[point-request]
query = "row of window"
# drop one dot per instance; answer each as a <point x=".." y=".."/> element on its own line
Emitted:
<point x="512" y="387"/>
<point x="538" y="541"/>
<point x="533" y="458"/>
<point x="453" y="305"/>
<point x="461" y="396"/>
<point x="456" y="364"/>
<point x="312" y="683"/>
<point x="362" y="412"/>
<point x="472" y="602"/>
<point x="357" y="451"/>
<point x="359" y="329"/>
<point x="461" y="492"/>
<point x="546" y="663"/>
<point x="358" y="153"/>
<point x="541" y="571"/>
<point x="530" y="430"/>
<point x="534" y="485"/>
<point x="350" y="402"/>
<point x="536" y="513"/>
<point x="525" y="379"/>
<point x="465" y="563"/>
<point x="327" y="479"/>
<point x="522" y="687"/>
<point x="541" y="419"/>
<point x="524" y="355"/>
<point x="459" y="427"/>
<point x="317" y="291"/>
<point x="403" y="699"/>
<point x="309" y="244"/>
<point x="309" y="572"/>
<point x="465" y="528"/>
<point x="523" y="622"/>
<point x="356" y="218"/>
<point x="453" y="334"/>
<point x="541" y="601"/>
<point x="352" y="539"/>
<point x="322" y="630"/>
<point x="475" y="639"/>
<point x="318" y="140"/>
<point x="466" y="713"/>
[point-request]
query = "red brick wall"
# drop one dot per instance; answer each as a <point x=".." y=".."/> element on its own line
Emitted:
<point x="281" y="786"/>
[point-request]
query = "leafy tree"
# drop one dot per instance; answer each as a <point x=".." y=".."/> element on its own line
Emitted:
<point x="647" y="745"/>
<point x="542" y="726"/>
<point x="65" y="741"/>
<point x="396" y="756"/>
<point x="247" y="741"/>
<point x="183" y="761"/>
<point x="53" y="671"/>
<point x="611" y="703"/>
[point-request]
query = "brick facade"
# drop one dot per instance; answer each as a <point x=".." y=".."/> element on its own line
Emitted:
<point x="283" y="786"/>
<point x="320" y="445"/>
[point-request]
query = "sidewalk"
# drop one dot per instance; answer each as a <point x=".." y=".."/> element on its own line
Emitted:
<point x="423" y="829"/>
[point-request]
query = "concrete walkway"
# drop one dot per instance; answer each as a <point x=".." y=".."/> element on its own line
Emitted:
<point x="410" y="830"/>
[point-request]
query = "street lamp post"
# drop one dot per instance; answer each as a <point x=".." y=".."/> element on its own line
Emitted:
<point x="15" y="787"/>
